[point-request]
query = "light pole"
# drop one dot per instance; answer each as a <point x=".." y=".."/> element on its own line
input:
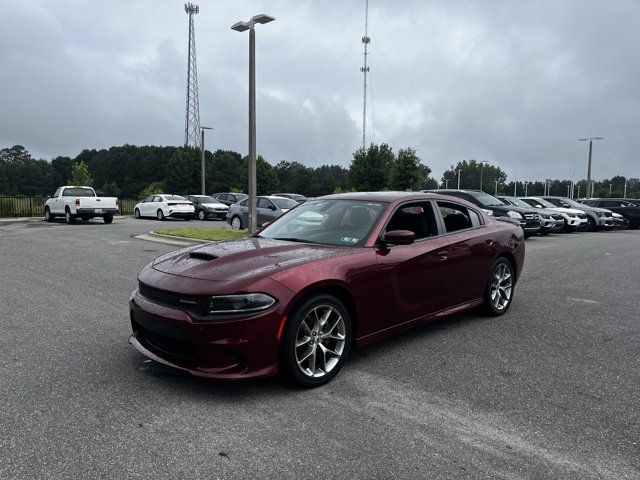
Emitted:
<point x="578" y="187"/>
<point x="481" y="170"/>
<point x="609" y="190"/>
<point x="515" y="185"/>
<point x="625" y="188"/>
<point x="589" y="186"/>
<point x="526" y="184"/>
<point x="568" y="190"/>
<point x="202" y="186"/>
<point x="496" y="182"/>
<point x="459" y="172"/>
<point x="242" y="27"/>
<point x="446" y="183"/>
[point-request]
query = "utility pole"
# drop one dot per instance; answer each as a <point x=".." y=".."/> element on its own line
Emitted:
<point x="202" y="186"/>
<point x="589" y="184"/>
<point x="192" y="117"/>
<point x="365" y="69"/>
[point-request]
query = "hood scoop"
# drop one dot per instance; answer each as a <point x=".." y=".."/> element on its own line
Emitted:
<point x="203" y="256"/>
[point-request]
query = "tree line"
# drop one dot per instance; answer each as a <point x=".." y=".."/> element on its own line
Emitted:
<point x="133" y="172"/>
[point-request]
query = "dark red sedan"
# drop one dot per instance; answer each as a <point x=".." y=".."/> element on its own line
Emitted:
<point x="341" y="270"/>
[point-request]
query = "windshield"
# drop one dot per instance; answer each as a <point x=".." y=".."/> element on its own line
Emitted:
<point x="543" y="202"/>
<point x="327" y="222"/>
<point x="571" y="202"/>
<point x="517" y="202"/>
<point x="78" y="192"/>
<point x="284" y="203"/>
<point x="207" y="199"/>
<point x="487" y="200"/>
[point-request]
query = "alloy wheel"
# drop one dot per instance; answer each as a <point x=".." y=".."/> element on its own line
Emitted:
<point x="320" y="341"/>
<point x="201" y="215"/>
<point x="236" y="223"/>
<point x="501" y="286"/>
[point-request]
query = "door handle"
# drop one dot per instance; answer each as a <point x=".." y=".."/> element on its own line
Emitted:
<point x="442" y="256"/>
<point x="489" y="242"/>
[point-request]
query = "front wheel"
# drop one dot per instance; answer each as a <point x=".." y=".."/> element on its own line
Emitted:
<point x="201" y="215"/>
<point x="316" y="341"/>
<point x="499" y="290"/>
<point x="107" y="219"/>
<point x="160" y="215"/>
<point x="136" y="213"/>
<point x="236" y="223"/>
<point x="591" y="224"/>
<point x="47" y="215"/>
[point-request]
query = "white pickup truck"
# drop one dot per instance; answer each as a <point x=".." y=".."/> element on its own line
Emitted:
<point x="73" y="202"/>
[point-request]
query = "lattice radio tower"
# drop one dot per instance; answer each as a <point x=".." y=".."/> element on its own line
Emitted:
<point x="192" y="118"/>
<point x="365" y="69"/>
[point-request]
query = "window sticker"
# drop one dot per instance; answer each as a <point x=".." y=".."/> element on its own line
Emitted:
<point x="349" y="240"/>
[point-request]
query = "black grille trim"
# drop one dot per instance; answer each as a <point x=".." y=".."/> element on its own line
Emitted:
<point x="181" y="301"/>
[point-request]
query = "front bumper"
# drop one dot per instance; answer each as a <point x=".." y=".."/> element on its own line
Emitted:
<point x="236" y="348"/>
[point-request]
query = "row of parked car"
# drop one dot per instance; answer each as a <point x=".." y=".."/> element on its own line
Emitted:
<point x="542" y="215"/>
<point x="228" y="206"/>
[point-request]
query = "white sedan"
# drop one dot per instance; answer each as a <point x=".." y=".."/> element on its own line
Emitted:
<point x="162" y="206"/>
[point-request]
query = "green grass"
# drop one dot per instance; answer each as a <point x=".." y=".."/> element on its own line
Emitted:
<point x="214" y="234"/>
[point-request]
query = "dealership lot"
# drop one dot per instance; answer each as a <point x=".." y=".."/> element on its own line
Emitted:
<point x="550" y="390"/>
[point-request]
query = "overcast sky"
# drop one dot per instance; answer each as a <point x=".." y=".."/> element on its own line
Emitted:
<point x="514" y="83"/>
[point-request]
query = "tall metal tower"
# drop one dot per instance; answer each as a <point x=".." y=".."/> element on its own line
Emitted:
<point x="365" y="70"/>
<point x="192" y="118"/>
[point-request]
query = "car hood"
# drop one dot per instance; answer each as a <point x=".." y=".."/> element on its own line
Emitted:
<point x="253" y="258"/>
<point x="565" y="210"/>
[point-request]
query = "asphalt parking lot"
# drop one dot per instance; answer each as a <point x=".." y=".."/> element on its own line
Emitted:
<point x="550" y="390"/>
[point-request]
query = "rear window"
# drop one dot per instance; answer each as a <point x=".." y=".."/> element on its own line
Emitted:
<point x="284" y="203"/>
<point x="174" y="197"/>
<point x="78" y="192"/>
<point x="456" y="217"/>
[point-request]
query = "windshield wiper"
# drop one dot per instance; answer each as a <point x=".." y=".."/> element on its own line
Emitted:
<point x="293" y="239"/>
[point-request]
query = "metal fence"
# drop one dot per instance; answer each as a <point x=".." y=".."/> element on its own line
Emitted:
<point x="23" y="206"/>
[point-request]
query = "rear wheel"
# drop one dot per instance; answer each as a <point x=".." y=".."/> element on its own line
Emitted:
<point x="499" y="290"/>
<point x="47" y="215"/>
<point x="316" y="341"/>
<point x="71" y="219"/>
<point x="160" y="215"/>
<point x="236" y="223"/>
<point x="107" y="219"/>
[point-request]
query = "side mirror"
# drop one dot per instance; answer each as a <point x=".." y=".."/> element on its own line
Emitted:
<point x="399" y="237"/>
<point x="273" y="207"/>
<point x="566" y="205"/>
<point x="539" y="206"/>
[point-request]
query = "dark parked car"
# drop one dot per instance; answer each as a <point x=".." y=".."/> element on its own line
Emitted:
<point x="626" y="208"/>
<point x="208" y="207"/>
<point x="528" y="218"/>
<point x="340" y="271"/>
<point x="229" y="198"/>
<point x="268" y="209"/>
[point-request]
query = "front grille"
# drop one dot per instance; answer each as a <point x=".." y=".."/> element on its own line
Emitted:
<point x="557" y="217"/>
<point x="608" y="214"/>
<point x="170" y="346"/>
<point x="181" y="301"/>
<point x="531" y="216"/>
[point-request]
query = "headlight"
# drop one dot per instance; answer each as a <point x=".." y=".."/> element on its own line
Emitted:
<point x="488" y="212"/>
<point x="571" y="215"/>
<point x="515" y="215"/>
<point x="602" y="214"/>
<point x="545" y="217"/>
<point x="245" y="303"/>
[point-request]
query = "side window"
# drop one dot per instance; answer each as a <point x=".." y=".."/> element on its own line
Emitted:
<point x="263" y="203"/>
<point x="244" y="202"/>
<point x="456" y="217"/>
<point x="223" y="196"/>
<point x="415" y="217"/>
<point x="57" y="192"/>
<point x="148" y="199"/>
<point x="475" y="218"/>
<point x="157" y="199"/>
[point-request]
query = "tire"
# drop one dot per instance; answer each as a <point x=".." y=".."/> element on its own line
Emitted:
<point x="325" y="345"/>
<point x="591" y="225"/>
<point x="498" y="293"/>
<point x="47" y="215"/>
<point x="71" y="219"/>
<point x="236" y="223"/>
<point x="136" y="213"/>
<point x="160" y="215"/>
<point x="107" y="219"/>
<point x="201" y="215"/>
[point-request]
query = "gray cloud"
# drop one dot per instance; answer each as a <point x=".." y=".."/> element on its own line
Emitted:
<point x="513" y="83"/>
